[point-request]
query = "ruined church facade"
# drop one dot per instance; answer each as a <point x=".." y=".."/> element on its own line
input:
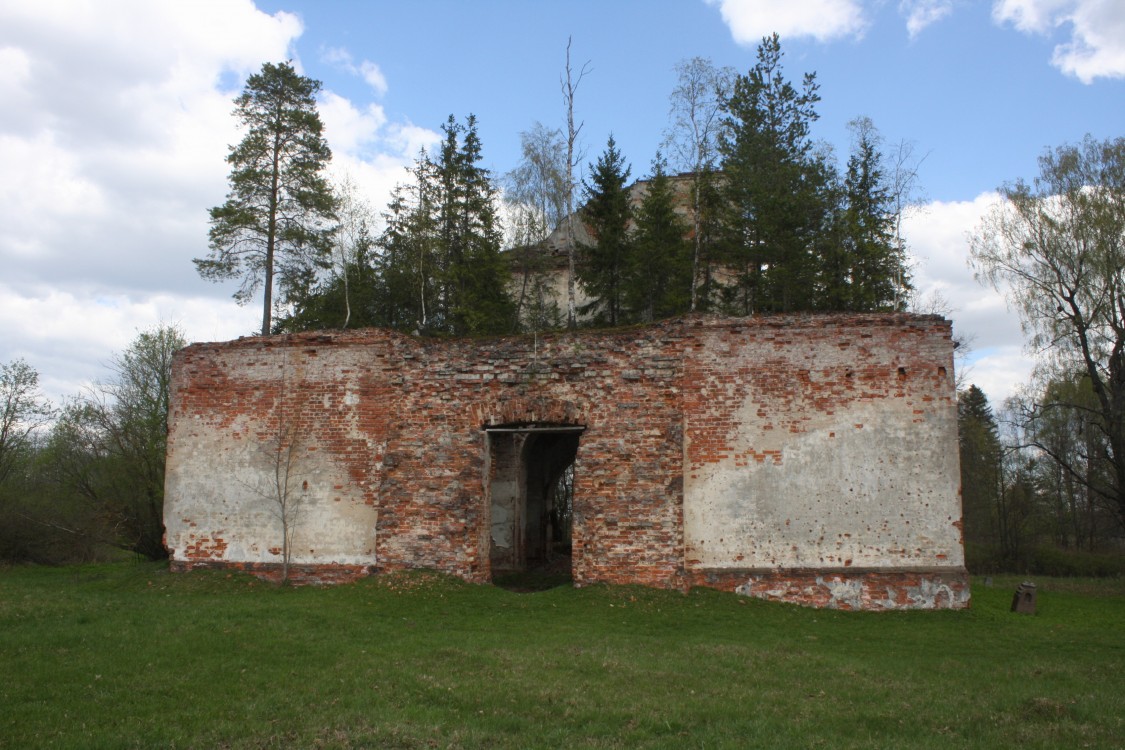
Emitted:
<point x="802" y="458"/>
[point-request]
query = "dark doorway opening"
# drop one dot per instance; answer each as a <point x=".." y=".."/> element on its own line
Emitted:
<point x="531" y="494"/>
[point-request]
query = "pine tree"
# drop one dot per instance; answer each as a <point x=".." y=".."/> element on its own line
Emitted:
<point x="659" y="283"/>
<point x="608" y="258"/>
<point x="778" y="205"/>
<point x="277" y="217"/>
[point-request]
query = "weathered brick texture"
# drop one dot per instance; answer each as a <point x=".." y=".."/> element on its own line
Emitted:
<point x="803" y="458"/>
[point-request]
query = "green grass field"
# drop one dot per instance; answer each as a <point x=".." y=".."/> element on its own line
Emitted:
<point x="129" y="655"/>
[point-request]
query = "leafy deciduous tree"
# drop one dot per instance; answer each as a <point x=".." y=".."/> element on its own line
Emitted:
<point x="351" y="292"/>
<point x="1063" y="423"/>
<point x="111" y="444"/>
<point x="536" y="204"/>
<point x="1056" y="246"/>
<point x="693" y="140"/>
<point x="23" y="410"/>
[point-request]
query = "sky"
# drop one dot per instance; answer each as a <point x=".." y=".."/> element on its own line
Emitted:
<point x="116" y="121"/>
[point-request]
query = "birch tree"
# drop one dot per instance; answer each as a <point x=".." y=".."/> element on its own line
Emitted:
<point x="692" y="141"/>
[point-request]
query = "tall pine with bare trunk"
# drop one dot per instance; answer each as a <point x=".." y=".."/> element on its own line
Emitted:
<point x="274" y="227"/>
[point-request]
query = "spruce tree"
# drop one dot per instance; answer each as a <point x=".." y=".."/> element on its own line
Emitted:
<point x="877" y="278"/>
<point x="607" y="259"/>
<point x="442" y="267"/>
<point x="980" y="465"/>
<point x="409" y="256"/>
<point x="477" y="274"/>
<point x="659" y="283"/>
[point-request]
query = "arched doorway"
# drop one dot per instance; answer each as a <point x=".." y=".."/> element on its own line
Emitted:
<point x="530" y="492"/>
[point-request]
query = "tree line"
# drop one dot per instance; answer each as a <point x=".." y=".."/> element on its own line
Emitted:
<point x="767" y="223"/>
<point x="1047" y="475"/>
<point x="86" y="478"/>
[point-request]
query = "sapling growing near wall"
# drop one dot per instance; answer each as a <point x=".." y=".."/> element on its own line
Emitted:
<point x="283" y="486"/>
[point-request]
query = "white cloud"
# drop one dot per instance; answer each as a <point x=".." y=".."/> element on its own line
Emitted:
<point x="1001" y="372"/>
<point x="367" y="70"/>
<point x="938" y="239"/>
<point x="1096" y="48"/>
<point x="348" y="128"/>
<point x="113" y="137"/>
<point x="922" y="13"/>
<point x="69" y="335"/>
<point x="368" y="149"/>
<point x="823" y="20"/>
<point x="374" y="76"/>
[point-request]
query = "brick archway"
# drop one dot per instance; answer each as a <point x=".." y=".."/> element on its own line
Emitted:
<point x="537" y="409"/>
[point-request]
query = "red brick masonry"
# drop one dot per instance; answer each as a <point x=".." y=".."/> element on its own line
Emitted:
<point x="801" y="458"/>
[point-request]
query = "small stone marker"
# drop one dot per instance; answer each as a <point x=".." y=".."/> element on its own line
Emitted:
<point x="1024" y="599"/>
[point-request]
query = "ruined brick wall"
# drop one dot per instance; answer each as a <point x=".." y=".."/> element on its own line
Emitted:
<point x="758" y="455"/>
<point x="825" y="449"/>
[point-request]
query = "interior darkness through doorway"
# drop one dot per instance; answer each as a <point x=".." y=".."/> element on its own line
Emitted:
<point x="532" y="504"/>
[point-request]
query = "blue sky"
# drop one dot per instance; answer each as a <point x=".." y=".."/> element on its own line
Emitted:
<point x="117" y="121"/>
<point x="979" y="97"/>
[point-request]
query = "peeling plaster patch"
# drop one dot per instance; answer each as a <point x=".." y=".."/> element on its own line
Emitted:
<point x="872" y="590"/>
<point x="843" y="594"/>
<point x="928" y="594"/>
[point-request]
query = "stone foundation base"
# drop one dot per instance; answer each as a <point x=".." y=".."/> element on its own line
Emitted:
<point x="874" y="589"/>
<point x="851" y="588"/>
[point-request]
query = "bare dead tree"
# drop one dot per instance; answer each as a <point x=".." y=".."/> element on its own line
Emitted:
<point x="569" y="87"/>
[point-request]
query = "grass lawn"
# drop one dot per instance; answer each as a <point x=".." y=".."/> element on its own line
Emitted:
<point x="129" y="655"/>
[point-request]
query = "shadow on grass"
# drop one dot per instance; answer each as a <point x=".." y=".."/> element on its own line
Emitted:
<point x="552" y="575"/>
